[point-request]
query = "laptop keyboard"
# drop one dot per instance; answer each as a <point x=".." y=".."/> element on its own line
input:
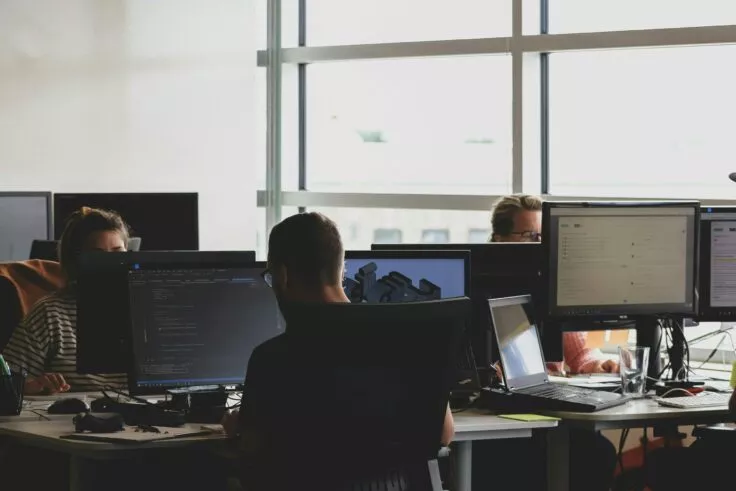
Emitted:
<point x="560" y="392"/>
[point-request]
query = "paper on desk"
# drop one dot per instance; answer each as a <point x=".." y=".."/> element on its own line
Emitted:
<point x="129" y="435"/>
<point x="528" y="417"/>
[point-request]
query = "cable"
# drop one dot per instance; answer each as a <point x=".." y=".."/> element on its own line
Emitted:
<point x="713" y="353"/>
<point x="621" y="443"/>
<point x="676" y="389"/>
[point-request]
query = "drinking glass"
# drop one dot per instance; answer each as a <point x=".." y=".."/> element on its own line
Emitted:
<point x="633" y="365"/>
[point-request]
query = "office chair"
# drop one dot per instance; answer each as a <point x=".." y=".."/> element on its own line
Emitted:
<point x="370" y="390"/>
<point x="47" y="250"/>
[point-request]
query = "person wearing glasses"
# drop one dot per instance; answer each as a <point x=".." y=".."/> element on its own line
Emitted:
<point x="305" y="264"/>
<point x="518" y="218"/>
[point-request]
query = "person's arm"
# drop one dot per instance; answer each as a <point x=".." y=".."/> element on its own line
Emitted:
<point x="732" y="402"/>
<point x="28" y="349"/>
<point x="448" y="428"/>
<point x="582" y="359"/>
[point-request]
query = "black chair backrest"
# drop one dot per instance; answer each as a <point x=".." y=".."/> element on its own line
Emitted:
<point x="10" y="311"/>
<point x="374" y="379"/>
<point x="45" y="249"/>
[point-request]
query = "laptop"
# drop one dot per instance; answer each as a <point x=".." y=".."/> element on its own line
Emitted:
<point x="524" y="368"/>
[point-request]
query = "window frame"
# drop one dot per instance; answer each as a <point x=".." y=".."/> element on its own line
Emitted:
<point x="529" y="45"/>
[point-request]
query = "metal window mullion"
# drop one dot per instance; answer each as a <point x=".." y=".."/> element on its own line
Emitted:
<point x="517" y="107"/>
<point x="544" y="100"/>
<point x="302" y="101"/>
<point x="273" y="116"/>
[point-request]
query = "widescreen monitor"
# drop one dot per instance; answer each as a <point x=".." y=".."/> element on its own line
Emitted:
<point x="621" y="260"/>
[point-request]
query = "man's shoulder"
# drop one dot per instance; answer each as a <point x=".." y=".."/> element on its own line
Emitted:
<point x="268" y="350"/>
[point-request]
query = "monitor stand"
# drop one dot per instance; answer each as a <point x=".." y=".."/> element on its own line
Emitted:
<point x="649" y="333"/>
<point x="679" y="369"/>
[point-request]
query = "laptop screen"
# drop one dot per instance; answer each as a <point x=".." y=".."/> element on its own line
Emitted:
<point x="518" y="341"/>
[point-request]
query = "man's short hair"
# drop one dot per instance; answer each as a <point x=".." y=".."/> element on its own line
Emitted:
<point x="310" y="247"/>
<point x="506" y="208"/>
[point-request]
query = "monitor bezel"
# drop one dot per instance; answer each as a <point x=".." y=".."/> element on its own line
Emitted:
<point x="49" y="206"/>
<point x="641" y="311"/>
<point x="56" y="228"/>
<point x="417" y="254"/>
<point x="133" y="383"/>
<point x="706" y="313"/>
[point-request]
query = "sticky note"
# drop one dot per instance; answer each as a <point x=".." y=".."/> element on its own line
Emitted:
<point x="528" y="417"/>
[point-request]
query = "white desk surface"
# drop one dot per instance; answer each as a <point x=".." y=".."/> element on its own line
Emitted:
<point x="644" y="412"/>
<point x="477" y="425"/>
<point x="46" y="434"/>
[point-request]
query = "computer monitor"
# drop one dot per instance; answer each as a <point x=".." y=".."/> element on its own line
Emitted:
<point x="717" y="280"/>
<point x="103" y="310"/>
<point x="499" y="270"/>
<point x="24" y="217"/>
<point x="48" y="250"/>
<point x="165" y="221"/>
<point x="197" y="325"/>
<point x="621" y="260"/>
<point x="405" y="276"/>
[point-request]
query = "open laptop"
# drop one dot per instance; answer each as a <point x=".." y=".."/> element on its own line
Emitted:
<point x="524" y="369"/>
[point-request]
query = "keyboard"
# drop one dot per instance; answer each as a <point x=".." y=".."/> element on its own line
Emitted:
<point x="706" y="399"/>
<point x="555" y="397"/>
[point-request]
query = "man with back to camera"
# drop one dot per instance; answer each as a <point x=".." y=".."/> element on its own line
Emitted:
<point x="305" y="264"/>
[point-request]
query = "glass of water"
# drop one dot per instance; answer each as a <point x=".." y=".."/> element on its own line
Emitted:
<point x="633" y="364"/>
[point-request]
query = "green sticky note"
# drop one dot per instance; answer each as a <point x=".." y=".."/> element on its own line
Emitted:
<point x="528" y="417"/>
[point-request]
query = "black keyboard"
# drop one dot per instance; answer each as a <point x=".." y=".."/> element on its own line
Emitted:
<point x="554" y="397"/>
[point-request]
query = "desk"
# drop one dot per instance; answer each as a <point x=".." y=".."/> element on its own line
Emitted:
<point x="474" y="425"/>
<point x="36" y="432"/>
<point x="33" y="431"/>
<point x="634" y="414"/>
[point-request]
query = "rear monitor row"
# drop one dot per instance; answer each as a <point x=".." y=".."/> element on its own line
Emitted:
<point x="165" y="221"/>
<point x="175" y="319"/>
<point x="613" y="261"/>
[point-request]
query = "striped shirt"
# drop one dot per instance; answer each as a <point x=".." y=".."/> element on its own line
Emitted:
<point x="46" y="342"/>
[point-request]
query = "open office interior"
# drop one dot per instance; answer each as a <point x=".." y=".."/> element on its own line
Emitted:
<point x="549" y="183"/>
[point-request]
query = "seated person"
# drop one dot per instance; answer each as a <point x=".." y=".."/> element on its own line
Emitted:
<point x="305" y="264"/>
<point x="518" y="218"/>
<point x="45" y="343"/>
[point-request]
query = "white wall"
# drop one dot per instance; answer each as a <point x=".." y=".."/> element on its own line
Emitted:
<point x="133" y="95"/>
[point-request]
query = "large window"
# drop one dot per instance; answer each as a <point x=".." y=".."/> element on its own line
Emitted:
<point x="645" y="122"/>
<point x="336" y="22"/>
<point x="361" y="227"/>
<point x="405" y="119"/>
<point x="617" y="15"/>
<point x="439" y="126"/>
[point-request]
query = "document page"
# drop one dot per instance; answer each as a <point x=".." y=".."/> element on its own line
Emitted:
<point x="723" y="264"/>
<point x="620" y="260"/>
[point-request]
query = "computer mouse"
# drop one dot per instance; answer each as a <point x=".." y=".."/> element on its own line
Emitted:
<point x="68" y="405"/>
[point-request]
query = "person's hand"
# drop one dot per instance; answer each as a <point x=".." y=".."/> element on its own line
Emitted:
<point x="601" y="366"/>
<point x="48" y="383"/>
<point x="229" y="423"/>
<point x="610" y="366"/>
